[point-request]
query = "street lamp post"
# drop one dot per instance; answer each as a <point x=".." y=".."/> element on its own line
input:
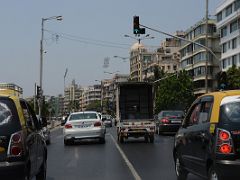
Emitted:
<point x="147" y="36"/>
<point x="101" y="82"/>
<point x="59" y="18"/>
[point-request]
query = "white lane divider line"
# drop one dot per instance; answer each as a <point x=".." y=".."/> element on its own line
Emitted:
<point x="129" y="164"/>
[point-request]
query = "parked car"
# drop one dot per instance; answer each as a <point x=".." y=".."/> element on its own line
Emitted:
<point x="83" y="125"/>
<point x="208" y="143"/>
<point x="23" y="151"/>
<point x="169" y="121"/>
<point x="107" y="120"/>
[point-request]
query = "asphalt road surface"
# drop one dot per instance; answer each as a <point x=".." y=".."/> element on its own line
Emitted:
<point x="133" y="160"/>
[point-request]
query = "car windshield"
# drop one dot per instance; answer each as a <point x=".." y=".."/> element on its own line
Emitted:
<point x="172" y="113"/>
<point x="83" y="116"/>
<point x="230" y="112"/>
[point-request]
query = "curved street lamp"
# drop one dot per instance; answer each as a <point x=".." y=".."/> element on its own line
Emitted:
<point x="58" y="18"/>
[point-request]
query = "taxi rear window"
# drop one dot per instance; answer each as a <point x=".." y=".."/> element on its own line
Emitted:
<point x="230" y="112"/>
<point x="9" y="121"/>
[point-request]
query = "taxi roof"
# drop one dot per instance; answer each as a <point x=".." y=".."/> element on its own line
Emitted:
<point x="9" y="93"/>
<point x="222" y="94"/>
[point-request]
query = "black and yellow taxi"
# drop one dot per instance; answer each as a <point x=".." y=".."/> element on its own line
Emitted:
<point x="208" y="142"/>
<point x="23" y="151"/>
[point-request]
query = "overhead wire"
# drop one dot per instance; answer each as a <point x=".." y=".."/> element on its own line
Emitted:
<point x="89" y="41"/>
<point x="95" y="42"/>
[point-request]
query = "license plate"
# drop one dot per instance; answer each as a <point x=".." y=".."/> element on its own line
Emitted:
<point x="82" y="126"/>
<point x="176" y="121"/>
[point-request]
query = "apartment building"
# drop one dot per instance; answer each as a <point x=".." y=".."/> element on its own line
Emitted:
<point x="72" y="94"/>
<point x="195" y="58"/>
<point x="90" y="94"/>
<point x="228" y="24"/>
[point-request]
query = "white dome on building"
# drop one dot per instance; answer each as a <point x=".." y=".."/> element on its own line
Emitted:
<point x="137" y="46"/>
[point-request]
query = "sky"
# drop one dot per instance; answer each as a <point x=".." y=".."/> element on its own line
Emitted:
<point x="91" y="31"/>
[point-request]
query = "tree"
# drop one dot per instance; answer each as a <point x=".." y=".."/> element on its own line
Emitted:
<point x="174" y="92"/>
<point x="94" y="106"/>
<point x="233" y="77"/>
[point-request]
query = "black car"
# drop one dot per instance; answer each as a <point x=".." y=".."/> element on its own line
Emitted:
<point x="23" y="152"/>
<point x="169" y="121"/>
<point x="208" y="143"/>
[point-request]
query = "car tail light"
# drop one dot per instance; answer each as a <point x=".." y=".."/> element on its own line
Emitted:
<point x="16" y="145"/>
<point x="224" y="142"/>
<point x="68" y="126"/>
<point x="224" y="136"/>
<point x="97" y="124"/>
<point x="165" y="121"/>
<point x="225" y="149"/>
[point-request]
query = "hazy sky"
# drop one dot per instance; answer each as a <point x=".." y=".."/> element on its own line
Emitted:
<point x="90" y="31"/>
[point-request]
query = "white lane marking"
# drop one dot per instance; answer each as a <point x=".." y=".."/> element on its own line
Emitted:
<point x="129" y="164"/>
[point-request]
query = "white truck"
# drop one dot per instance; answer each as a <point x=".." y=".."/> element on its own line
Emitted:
<point x="134" y="111"/>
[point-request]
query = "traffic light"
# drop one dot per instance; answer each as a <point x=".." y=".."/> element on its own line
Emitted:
<point x="136" y="28"/>
<point x="38" y="91"/>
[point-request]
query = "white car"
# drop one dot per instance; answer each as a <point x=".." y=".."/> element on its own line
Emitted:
<point x="83" y="125"/>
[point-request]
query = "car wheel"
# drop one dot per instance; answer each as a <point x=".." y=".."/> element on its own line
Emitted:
<point x="212" y="175"/>
<point x="66" y="142"/>
<point x="121" y="139"/>
<point x="151" y="138"/>
<point x="180" y="171"/>
<point x="48" y="142"/>
<point x="146" y="139"/>
<point x="102" y="140"/>
<point x="42" y="173"/>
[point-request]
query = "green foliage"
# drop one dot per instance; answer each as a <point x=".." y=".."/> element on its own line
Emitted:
<point x="233" y="78"/>
<point x="94" y="106"/>
<point x="174" y="92"/>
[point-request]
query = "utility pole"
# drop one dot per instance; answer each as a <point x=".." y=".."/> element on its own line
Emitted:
<point x="207" y="57"/>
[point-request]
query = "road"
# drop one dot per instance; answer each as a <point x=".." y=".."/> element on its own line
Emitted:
<point x="90" y="160"/>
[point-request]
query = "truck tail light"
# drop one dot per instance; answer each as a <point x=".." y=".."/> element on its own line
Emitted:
<point x="16" y="145"/>
<point x="224" y="142"/>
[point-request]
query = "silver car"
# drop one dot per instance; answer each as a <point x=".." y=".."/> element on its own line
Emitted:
<point x="83" y="125"/>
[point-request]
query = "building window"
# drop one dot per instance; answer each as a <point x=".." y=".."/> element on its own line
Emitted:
<point x="174" y="67"/>
<point x="219" y="16"/>
<point x="234" y="60"/>
<point x="224" y="48"/>
<point x="169" y="67"/>
<point x="229" y="62"/>
<point x="233" y="26"/>
<point x="228" y="10"/>
<point x="224" y="63"/>
<point x="236" y="5"/>
<point x="224" y="31"/>
<point x="234" y="43"/>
